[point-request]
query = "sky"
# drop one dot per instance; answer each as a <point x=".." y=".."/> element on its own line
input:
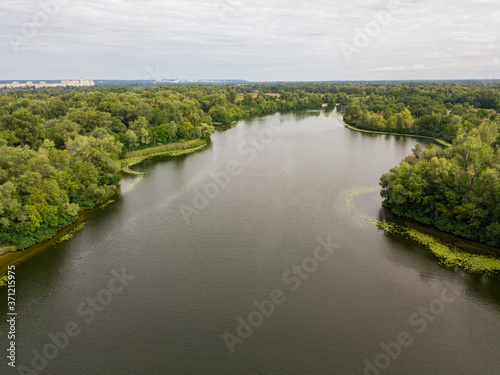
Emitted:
<point x="271" y="40"/>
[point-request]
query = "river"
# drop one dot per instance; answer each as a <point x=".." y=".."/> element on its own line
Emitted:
<point x="244" y="258"/>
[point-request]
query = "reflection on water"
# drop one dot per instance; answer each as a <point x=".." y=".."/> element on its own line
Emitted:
<point x="194" y="280"/>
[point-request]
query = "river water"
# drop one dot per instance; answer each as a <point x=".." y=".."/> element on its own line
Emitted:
<point x="170" y="278"/>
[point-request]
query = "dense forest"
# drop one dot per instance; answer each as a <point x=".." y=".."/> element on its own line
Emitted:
<point x="441" y="111"/>
<point x="456" y="189"/>
<point x="60" y="148"/>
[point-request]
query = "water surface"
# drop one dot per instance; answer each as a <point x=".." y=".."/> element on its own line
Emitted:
<point x="199" y="264"/>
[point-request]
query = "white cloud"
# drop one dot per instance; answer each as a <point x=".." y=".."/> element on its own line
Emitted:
<point x="436" y="55"/>
<point x="480" y="51"/>
<point x="256" y="40"/>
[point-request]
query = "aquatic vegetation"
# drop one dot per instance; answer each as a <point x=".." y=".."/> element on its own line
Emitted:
<point x="361" y="219"/>
<point x="449" y="255"/>
<point x="71" y="233"/>
<point x="3" y="280"/>
<point x="107" y="203"/>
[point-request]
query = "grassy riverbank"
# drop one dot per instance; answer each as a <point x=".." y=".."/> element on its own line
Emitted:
<point x="440" y="141"/>
<point x="171" y="149"/>
<point x="10" y="253"/>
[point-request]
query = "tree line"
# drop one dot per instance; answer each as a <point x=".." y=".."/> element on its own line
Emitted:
<point x="60" y="147"/>
<point x="455" y="189"/>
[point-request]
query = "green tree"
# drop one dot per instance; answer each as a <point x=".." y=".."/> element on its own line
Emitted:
<point x="131" y="138"/>
<point x="26" y="127"/>
<point x="406" y="119"/>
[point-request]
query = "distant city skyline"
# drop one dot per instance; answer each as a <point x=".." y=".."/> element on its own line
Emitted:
<point x="319" y="40"/>
<point x="42" y="84"/>
<point x="215" y="80"/>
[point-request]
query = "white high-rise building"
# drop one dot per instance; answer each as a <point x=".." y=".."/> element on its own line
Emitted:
<point x="76" y="83"/>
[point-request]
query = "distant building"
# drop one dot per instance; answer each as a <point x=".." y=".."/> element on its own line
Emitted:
<point x="76" y="83"/>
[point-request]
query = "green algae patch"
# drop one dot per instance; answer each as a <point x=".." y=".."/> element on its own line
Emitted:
<point x="3" y="280"/>
<point x="107" y="203"/>
<point x="449" y="255"/>
<point x="71" y="233"/>
<point x="360" y="219"/>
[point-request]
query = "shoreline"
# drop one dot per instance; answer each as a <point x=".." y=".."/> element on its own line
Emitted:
<point x="437" y="140"/>
<point x="12" y="256"/>
<point x="463" y="244"/>
<point x="451" y="250"/>
<point x="134" y="157"/>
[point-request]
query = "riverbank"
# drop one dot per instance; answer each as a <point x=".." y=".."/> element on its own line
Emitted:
<point x="9" y="254"/>
<point x="14" y="256"/>
<point x="173" y="149"/>
<point x="448" y="254"/>
<point x="6" y="249"/>
<point x="437" y="140"/>
<point x="452" y="251"/>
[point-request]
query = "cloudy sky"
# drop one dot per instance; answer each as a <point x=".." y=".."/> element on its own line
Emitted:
<point x="268" y="40"/>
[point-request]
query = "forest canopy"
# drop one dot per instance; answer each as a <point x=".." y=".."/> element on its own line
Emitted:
<point x="455" y="189"/>
<point x="60" y="148"/>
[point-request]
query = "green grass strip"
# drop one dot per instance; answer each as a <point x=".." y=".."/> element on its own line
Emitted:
<point x="440" y="141"/>
<point x="172" y="149"/>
